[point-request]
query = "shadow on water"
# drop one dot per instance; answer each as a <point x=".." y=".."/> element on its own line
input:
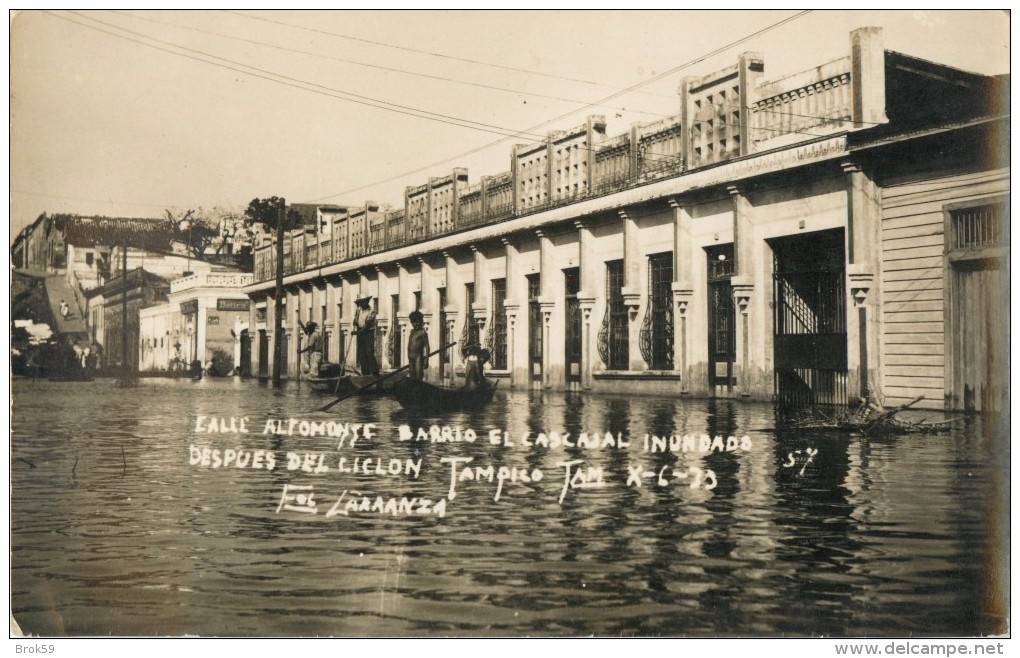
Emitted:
<point x="120" y="526"/>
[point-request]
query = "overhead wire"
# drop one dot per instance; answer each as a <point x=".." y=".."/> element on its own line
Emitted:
<point x="633" y="87"/>
<point x="416" y="50"/>
<point x="290" y="81"/>
<point x="507" y="133"/>
<point x="297" y="83"/>
<point x="378" y="66"/>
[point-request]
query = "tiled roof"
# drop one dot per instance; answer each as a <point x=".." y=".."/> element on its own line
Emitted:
<point x="140" y="233"/>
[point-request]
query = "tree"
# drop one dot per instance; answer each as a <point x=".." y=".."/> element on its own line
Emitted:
<point x="267" y="212"/>
<point x="195" y="230"/>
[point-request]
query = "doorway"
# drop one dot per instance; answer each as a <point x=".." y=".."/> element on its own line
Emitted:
<point x="722" y="322"/>
<point x="809" y="319"/>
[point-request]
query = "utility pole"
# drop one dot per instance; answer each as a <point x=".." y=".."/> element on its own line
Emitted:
<point x="278" y="301"/>
<point x="123" y="309"/>
<point x="127" y="375"/>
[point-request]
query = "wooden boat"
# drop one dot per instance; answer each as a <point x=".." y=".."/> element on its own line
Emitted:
<point x="351" y="381"/>
<point x="421" y="396"/>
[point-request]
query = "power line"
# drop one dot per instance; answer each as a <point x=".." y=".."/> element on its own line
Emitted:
<point x="297" y="83"/>
<point x="378" y="66"/>
<point x="603" y="100"/>
<point x="289" y="81"/>
<point x="415" y="50"/>
<point x="411" y="111"/>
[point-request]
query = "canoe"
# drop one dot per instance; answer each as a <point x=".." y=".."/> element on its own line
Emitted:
<point x="421" y="396"/>
<point x="327" y="383"/>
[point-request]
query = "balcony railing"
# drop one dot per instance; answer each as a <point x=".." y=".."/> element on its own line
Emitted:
<point x="212" y="280"/>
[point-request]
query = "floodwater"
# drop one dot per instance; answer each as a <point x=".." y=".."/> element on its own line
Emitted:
<point x="114" y="529"/>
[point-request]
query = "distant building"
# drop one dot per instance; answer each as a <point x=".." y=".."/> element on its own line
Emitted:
<point x="835" y="233"/>
<point x="203" y="313"/>
<point x="139" y="289"/>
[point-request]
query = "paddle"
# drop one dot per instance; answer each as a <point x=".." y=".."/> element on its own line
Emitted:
<point x="379" y="380"/>
<point x="343" y="366"/>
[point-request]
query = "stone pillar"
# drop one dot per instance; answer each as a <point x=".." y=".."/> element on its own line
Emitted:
<point x="429" y="312"/>
<point x="587" y="305"/>
<point x="545" y="264"/>
<point x="867" y="77"/>
<point x="864" y="225"/>
<point x="512" y="306"/>
<point x="632" y="289"/>
<point x="384" y="323"/>
<point x="547" y="310"/>
<point x="683" y="290"/>
<point x="345" y="322"/>
<point x="480" y="306"/>
<point x="586" y="266"/>
<point x="743" y="289"/>
<point x="683" y="294"/>
<point x="586" y="298"/>
<point x="454" y="303"/>
<point x="511" y="319"/>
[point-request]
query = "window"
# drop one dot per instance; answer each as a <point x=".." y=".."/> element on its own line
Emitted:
<point x="613" y="336"/>
<point x="535" y="326"/>
<point x="499" y="324"/>
<point x="979" y="226"/>
<point x="657" y="327"/>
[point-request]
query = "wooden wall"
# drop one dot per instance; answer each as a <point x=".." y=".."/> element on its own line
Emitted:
<point x="914" y="280"/>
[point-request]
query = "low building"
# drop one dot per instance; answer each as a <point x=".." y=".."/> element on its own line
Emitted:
<point x="113" y="309"/>
<point x="837" y="233"/>
<point x="204" y="315"/>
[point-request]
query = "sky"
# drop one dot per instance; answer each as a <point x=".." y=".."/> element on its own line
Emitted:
<point x="129" y="113"/>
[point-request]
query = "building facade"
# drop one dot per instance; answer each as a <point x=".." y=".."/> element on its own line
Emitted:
<point x="204" y="314"/>
<point x="113" y="311"/>
<point x="833" y="234"/>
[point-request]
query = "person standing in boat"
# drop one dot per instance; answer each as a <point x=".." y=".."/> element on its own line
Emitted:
<point x="474" y="366"/>
<point x="312" y="349"/>
<point x="418" y="346"/>
<point x="364" y="329"/>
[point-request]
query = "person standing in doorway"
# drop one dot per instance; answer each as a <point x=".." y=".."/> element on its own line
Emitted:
<point x="364" y="329"/>
<point x="418" y="346"/>
<point x="65" y="310"/>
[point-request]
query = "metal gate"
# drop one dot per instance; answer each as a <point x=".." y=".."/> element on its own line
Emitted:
<point x="809" y="318"/>
<point x="535" y="327"/>
<point x="722" y="335"/>
<point x="572" y="333"/>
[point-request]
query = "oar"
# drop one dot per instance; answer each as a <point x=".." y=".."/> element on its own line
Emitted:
<point x="379" y="380"/>
<point x="343" y="366"/>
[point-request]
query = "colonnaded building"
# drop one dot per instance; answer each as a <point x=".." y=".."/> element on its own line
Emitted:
<point x="812" y="239"/>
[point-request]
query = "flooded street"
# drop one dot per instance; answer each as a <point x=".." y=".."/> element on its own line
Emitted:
<point x="122" y="525"/>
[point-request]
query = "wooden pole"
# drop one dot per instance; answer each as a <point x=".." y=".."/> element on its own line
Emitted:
<point x="124" y="313"/>
<point x="278" y="302"/>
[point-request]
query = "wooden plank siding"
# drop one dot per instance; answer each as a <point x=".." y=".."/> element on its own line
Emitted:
<point x="914" y="281"/>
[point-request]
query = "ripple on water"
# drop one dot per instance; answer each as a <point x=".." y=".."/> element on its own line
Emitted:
<point x="114" y="532"/>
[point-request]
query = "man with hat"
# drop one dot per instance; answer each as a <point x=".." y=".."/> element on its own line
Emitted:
<point x="312" y="349"/>
<point x="364" y="329"/>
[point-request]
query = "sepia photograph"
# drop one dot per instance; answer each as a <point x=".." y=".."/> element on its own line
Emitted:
<point x="462" y="323"/>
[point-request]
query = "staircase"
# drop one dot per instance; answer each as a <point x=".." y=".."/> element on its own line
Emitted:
<point x="73" y="326"/>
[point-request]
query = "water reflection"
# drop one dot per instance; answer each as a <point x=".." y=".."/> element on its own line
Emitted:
<point x="113" y="531"/>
